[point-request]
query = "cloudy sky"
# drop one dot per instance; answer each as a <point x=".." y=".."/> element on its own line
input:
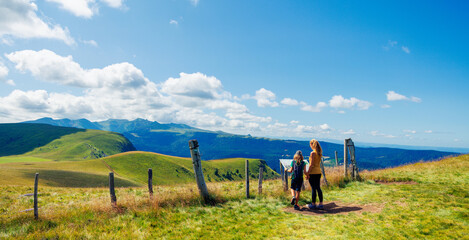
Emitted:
<point x="382" y="72"/>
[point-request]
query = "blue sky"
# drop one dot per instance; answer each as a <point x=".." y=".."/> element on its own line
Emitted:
<point x="382" y="72"/>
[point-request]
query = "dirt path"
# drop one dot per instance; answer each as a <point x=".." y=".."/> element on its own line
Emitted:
<point x="396" y="183"/>
<point x="336" y="208"/>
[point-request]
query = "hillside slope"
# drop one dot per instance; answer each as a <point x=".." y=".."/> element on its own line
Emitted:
<point x="130" y="168"/>
<point x="59" y="143"/>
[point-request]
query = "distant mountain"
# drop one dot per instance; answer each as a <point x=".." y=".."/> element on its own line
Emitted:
<point x="172" y="139"/>
<point x="60" y="143"/>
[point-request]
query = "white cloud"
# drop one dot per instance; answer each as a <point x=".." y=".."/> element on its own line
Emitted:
<point x="385" y="106"/>
<point x="409" y="131"/>
<point x="265" y="98"/>
<point x="324" y="127"/>
<point x="90" y="42"/>
<point x="79" y="8"/>
<point x="7" y="41"/>
<point x="3" y="71"/>
<point x="289" y="101"/>
<point x="174" y="22"/>
<point x="378" y="134"/>
<point x="415" y="99"/>
<point x="3" y="75"/>
<point x="390" y="45"/>
<point x="308" y="108"/>
<point x="349" y="132"/>
<point x="428" y="131"/>
<point x="196" y="85"/>
<point x="114" y="3"/>
<point x="338" y="101"/>
<point x="394" y="96"/>
<point x="194" y="2"/>
<point x="282" y="130"/>
<point x="294" y="122"/>
<point x="50" y="67"/>
<point x="18" y="19"/>
<point x="85" y="8"/>
<point x="405" y="49"/>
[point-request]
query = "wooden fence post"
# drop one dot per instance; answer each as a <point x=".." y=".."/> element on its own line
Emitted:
<point x="345" y="158"/>
<point x="324" y="172"/>
<point x="150" y="182"/>
<point x="247" y="178"/>
<point x="336" y="159"/>
<point x="199" y="175"/>
<point x="285" y="175"/>
<point x="280" y="171"/>
<point x="36" y="179"/>
<point x="112" y="191"/>
<point x="261" y="173"/>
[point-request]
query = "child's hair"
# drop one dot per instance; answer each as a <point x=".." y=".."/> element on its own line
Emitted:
<point x="316" y="147"/>
<point x="298" y="157"/>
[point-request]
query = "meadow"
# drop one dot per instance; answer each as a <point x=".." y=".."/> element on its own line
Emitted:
<point x="423" y="200"/>
<point x="130" y="169"/>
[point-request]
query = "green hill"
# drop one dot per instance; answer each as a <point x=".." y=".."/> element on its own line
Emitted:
<point x="130" y="169"/>
<point x="171" y="170"/>
<point x="58" y="143"/>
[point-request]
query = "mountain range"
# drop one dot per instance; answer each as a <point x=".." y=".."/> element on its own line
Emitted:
<point x="172" y="139"/>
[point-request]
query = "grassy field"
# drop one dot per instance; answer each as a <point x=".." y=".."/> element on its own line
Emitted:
<point x="428" y="201"/>
<point x="130" y="168"/>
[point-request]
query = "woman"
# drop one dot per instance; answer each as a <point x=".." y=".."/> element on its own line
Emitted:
<point x="298" y="167"/>
<point x="314" y="174"/>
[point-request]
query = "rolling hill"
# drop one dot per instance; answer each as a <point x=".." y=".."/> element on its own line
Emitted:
<point x="171" y="139"/>
<point x="43" y="141"/>
<point x="130" y="169"/>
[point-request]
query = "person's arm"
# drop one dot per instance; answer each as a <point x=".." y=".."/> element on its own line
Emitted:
<point x="305" y="172"/>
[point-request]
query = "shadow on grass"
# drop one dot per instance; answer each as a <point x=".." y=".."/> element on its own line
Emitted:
<point x="329" y="208"/>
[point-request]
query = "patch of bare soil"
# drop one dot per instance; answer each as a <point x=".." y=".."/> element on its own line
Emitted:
<point x="396" y="183"/>
<point x="336" y="208"/>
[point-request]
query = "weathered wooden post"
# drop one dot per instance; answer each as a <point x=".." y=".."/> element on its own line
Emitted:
<point x="261" y="173"/>
<point x="199" y="175"/>
<point x="280" y="170"/>
<point x="285" y="175"/>
<point x="150" y="183"/>
<point x="324" y="172"/>
<point x="247" y="178"/>
<point x="112" y="191"/>
<point x="36" y="213"/>
<point x="336" y="159"/>
<point x="345" y="158"/>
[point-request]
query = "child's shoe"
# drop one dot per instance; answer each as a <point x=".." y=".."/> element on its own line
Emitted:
<point x="293" y="200"/>
<point x="312" y="206"/>
<point x="296" y="207"/>
<point x="320" y="207"/>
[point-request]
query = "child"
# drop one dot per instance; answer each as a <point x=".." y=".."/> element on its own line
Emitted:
<point x="314" y="174"/>
<point x="298" y="167"/>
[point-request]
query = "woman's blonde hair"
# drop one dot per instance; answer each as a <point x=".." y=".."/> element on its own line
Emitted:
<point x="314" y="144"/>
<point x="298" y="157"/>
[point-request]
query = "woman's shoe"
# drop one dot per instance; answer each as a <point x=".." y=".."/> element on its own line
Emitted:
<point x="293" y="200"/>
<point x="296" y="207"/>
<point x="320" y="207"/>
<point x="312" y="206"/>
